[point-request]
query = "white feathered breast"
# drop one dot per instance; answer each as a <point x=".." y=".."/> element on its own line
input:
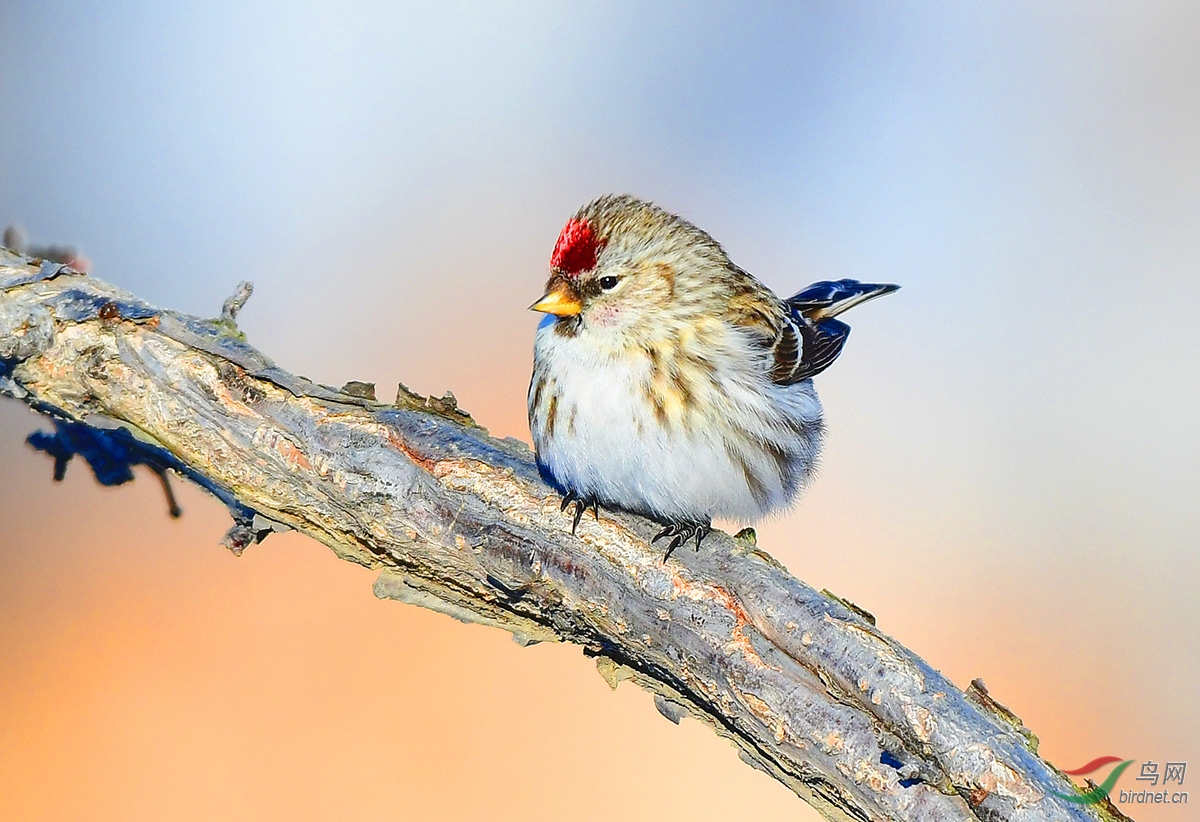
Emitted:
<point x="682" y="438"/>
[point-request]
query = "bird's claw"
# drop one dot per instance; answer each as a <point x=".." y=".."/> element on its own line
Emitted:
<point x="681" y="532"/>
<point x="581" y="505"/>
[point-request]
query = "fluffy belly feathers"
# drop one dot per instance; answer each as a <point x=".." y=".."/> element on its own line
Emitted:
<point x="728" y="445"/>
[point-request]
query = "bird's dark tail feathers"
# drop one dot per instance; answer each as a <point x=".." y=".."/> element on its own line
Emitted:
<point x="831" y="297"/>
<point x="812" y="325"/>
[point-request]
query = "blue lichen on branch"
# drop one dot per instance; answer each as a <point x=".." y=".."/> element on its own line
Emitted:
<point x="112" y="455"/>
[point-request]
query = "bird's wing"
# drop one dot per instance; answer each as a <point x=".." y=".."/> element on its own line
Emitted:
<point x="821" y="336"/>
<point x="821" y="343"/>
<point x="802" y="349"/>
<point x="800" y="333"/>
<point x="795" y="348"/>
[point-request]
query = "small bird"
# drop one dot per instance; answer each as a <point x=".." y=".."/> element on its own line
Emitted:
<point x="669" y="382"/>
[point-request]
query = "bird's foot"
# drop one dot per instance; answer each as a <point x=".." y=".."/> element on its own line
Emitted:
<point x="581" y="504"/>
<point x="681" y="532"/>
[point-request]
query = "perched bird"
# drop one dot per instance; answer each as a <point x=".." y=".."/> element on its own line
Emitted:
<point x="669" y="382"/>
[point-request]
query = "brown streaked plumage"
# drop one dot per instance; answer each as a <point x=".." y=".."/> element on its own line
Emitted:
<point x="686" y="382"/>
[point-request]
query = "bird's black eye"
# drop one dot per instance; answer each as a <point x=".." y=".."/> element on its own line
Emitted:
<point x="608" y="283"/>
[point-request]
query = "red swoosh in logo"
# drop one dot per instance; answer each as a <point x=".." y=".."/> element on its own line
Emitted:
<point x="1099" y="762"/>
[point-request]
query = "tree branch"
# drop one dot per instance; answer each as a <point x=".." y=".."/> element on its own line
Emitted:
<point x="457" y="521"/>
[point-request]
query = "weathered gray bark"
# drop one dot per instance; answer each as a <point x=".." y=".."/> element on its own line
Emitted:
<point x="801" y="681"/>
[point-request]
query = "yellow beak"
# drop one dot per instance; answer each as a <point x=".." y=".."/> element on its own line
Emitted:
<point x="560" y="300"/>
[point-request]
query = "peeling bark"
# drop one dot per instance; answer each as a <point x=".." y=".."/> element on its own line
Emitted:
<point x="802" y="682"/>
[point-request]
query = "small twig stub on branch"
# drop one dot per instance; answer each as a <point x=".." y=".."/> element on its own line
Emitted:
<point x="237" y="301"/>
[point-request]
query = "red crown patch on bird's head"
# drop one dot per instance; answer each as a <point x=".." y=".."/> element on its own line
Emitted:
<point x="576" y="248"/>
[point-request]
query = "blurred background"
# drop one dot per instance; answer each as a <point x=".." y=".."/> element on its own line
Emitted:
<point x="1011" y="478"/>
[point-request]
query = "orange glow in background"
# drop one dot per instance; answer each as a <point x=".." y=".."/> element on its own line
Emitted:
<point x="1010" y="483"/>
